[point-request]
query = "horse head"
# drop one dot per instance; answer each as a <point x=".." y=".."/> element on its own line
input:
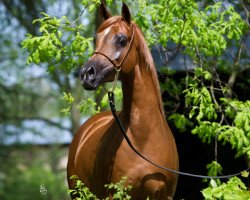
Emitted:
<point x="115" y="49"/>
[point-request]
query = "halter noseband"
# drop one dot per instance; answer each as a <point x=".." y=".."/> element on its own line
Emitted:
<point x="114" y="62"/>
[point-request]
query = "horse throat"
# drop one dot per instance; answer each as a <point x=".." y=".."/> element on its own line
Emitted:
<point x="142" y="109"/>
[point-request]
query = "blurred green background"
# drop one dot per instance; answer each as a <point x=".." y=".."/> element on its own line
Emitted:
<point x="34" y="134"/>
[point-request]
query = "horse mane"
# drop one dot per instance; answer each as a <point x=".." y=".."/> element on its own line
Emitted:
<point x="144" y="51"/>
<point x="147" y="60"/>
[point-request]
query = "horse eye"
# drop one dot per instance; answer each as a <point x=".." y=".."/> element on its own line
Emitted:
<point x="121" y="41"/>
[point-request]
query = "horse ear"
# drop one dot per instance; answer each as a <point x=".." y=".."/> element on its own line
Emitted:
<point x="126" y="13"/>
<point x="104" y="12"/>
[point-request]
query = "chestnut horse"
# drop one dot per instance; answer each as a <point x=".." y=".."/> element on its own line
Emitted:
<point x="98" y="154"/>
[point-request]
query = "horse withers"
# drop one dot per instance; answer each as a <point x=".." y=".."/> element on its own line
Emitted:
<point x="98" y="154"/>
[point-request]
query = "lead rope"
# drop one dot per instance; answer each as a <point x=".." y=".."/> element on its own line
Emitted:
<point x="118" y="121"/>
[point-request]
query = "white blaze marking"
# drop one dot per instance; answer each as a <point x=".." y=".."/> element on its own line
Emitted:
<point x="106" y="31"/>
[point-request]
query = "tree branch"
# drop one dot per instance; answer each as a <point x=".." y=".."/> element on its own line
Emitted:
<point x="235" y="68"/>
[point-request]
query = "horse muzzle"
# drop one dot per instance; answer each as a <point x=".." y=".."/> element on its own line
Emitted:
<point x="95" y="73"/>
<point x="88" y="77"/>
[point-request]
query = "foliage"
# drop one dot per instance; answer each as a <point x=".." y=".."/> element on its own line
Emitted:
<point x="180" y="121"/>
<point x="81" y="190"/>
<point x="68" y="99"/>
<point x="118" y="190"/>
<point x="183" y="23"/>
<point x="118" y="99"/>
<point x="88" y="106"/>
<point x="233" y="189"/>
<point x="61" y="44"/>
<point x="24" y="179"/>
<point x="214" y="168"/>
<point x="204" y="109"/>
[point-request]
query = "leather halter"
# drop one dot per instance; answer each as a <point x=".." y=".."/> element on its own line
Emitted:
<point x="114" y="62"/>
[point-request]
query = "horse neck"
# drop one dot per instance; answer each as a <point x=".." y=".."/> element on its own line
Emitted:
<point x="142" y="109"/>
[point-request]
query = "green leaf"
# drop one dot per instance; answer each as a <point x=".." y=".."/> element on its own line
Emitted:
<point x="213" y="183"/>
<point x="91" y="8"/>
<point x="180" y="121"/>
<point x="245" y="174"/>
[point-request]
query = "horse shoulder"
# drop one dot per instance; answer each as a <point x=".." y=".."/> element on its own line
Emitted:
<point x="82" y="148"/>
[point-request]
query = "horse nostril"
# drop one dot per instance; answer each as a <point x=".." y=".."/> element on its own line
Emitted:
<point x="83" y="74"/>
<point x="91" y="73"/>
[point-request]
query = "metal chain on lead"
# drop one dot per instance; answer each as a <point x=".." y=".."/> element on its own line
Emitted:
<point x="114" y="81"/>
<point x="116" y="78"/>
